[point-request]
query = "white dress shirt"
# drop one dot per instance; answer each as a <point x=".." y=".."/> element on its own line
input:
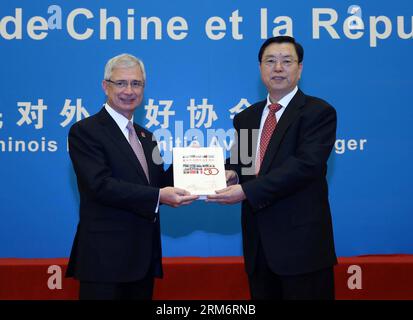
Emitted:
<point x="122" y="122"/>
<point x="284" y="101"/>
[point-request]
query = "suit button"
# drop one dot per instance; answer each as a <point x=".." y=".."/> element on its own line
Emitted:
<point x="154" y="220"/>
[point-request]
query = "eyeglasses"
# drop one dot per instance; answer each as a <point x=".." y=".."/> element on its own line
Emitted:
<point x="286" y="63"/>
<point x="123" y="84"/>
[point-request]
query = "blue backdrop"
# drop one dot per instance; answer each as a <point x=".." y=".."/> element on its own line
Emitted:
<point x="201" y="61"/>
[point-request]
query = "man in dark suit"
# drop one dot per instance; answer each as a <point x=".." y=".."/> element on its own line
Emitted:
<point x="286" y="221"/>
<point x="116" y="252"/>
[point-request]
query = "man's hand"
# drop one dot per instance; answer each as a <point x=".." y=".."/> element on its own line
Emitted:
<point x="231" y="177"/>
<point x="176" y="197"/>
<point x="229" y="195"/>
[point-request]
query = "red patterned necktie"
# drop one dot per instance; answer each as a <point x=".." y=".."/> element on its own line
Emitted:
<point x="137" y="148"/>
<point x="266" y="133"/>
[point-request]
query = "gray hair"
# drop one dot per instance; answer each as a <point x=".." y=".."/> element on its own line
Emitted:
<point x="123" y="60"/>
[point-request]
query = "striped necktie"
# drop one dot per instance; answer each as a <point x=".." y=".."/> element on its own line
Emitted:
<point x="266" y="134"/>
<point x="137" y="148"/>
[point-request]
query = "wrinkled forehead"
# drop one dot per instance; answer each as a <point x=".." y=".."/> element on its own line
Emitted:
<point x="127" y="73"/>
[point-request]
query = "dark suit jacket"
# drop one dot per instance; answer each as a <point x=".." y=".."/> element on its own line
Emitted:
<point x="287" y="205"/>
<point x="118" y="236"/>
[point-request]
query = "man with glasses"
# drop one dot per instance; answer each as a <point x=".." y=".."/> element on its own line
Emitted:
<point x="116" y="253"/>
<point x="286" y="221"/>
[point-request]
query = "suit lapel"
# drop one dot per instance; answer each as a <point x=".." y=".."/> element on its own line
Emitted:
<point x="286" y="120"/>
<point x="255" y="118"/>
<point x="117" y="137"/>
<point x="254" y="122"/>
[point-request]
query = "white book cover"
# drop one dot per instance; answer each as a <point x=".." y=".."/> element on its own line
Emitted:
<point x="200" y="171"/>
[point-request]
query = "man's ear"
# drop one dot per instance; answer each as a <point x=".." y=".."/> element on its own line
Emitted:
<point x="300" y="67"/>
<point x="105" y="87"/>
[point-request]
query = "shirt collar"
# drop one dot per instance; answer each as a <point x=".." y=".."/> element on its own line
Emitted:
<point x="284" y="101"/>
<point x="120" y="119"/>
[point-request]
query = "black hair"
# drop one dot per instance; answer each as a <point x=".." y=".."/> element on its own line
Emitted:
<point x="282" y="39"/>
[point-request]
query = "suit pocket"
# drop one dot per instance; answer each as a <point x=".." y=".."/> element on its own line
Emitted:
<point x="304" y="218"/>
<point x="107" y="226"/>
<point x="306" y="207"/>
<point x="305" y="213"/>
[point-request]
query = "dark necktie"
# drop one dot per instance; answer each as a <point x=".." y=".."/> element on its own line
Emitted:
<point x="137" y="148"/>
<point x="266" y="133"/>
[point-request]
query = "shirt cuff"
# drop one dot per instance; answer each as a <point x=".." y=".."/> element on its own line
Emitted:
<point x="157" y="205"/>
